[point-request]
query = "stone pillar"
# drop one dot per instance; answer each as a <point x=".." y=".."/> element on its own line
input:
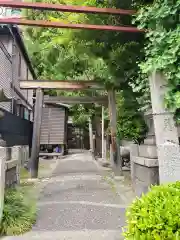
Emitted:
<point x="26" y="155"/>
<point x="18" y="154"/>
<point x="22" y="155"/>
<point x="2" y="178"/>
<point x="166" y="132"/>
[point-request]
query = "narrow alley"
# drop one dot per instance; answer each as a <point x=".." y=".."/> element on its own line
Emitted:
<point x="77" y="202"/>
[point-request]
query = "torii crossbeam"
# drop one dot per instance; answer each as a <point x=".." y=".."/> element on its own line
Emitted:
<point x="65" y="8"/>
<point x="60" y="84"/>
<point x="52" y="24"/>
<point x="76" y="100"/>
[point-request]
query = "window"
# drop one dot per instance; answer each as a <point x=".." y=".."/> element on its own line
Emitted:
<point x="29" y="117"/>
<point x="21" y="111"/>
<point x="26" y="114"/>
<point x="18" y="110"/>
<point x="14" y="107"/>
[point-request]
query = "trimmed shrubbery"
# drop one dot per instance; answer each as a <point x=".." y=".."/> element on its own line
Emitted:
<point x="156" y="215"/>
<point x="19" y="212"/>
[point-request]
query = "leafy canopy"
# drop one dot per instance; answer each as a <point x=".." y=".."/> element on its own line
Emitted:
<point x="162" y="48"/>
<point x="107" y="57"/>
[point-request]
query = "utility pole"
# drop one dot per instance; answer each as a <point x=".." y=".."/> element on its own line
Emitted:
<point x="113" y="126"/>
<point x="36" y="134"/>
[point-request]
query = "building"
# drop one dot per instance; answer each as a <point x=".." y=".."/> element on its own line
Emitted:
<point x="15" y="65"/>
<point x="54" y="125"/>
<point x="17" y="112"/>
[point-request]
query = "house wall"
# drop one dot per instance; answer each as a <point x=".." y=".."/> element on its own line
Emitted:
<point x="30" y="95"/>
<point x="5" y="70"/>
<point x="15" y="130"/>
<point x="20" y="71"/>
<point x="53" y="129"/>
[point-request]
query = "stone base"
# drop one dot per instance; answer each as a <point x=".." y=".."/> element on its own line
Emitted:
<point x="144" y="177"/>
<point x="148" y="151"/>
<point x="150" y="140"/>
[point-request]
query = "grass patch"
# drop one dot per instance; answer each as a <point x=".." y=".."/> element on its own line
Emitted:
<point x="24" y="174"/>
<point x="19" y="212"/>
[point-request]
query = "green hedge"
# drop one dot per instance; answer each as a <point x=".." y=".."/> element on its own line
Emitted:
<point x="156" y="215"/>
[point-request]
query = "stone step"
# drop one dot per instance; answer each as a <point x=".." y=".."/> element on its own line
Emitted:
<point x="148" y="151"/>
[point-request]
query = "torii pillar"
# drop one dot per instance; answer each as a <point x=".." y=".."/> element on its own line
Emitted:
<point x="34" y="161"/>
<point x="115" y="146"/>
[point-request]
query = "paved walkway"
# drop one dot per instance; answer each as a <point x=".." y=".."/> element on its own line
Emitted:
<point x="78" y="202"/>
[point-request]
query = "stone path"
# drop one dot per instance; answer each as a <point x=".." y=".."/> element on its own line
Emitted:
<point x="77" y="202"/>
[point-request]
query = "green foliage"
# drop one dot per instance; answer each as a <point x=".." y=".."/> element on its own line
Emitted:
<point x="106" y="57"/>
<point x="130" y="124"/>
<point x="155" y="216"/>
<point x="19" y="212"/>
<point x="177" y="115"/>
<point x="162" y="49"/>
<point x="81" y="54"/>
<point x="141" y="87"/>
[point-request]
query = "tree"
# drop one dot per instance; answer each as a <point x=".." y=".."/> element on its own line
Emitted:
<point x="162" y="49"/>
<point x="107" y="57"/>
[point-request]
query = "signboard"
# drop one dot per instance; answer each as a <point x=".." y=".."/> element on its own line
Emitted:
<point x="9" y="12"/>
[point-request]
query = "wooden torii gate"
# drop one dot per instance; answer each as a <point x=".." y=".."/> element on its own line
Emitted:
<point x="40" y="86"/>
<point x="101" y="100"/>
<point x="64" y="85"/>
<point x="65" y="8"/>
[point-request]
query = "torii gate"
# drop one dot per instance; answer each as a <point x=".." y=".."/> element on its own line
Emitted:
<point x="101" y="100"/>
<point x="66" y="85"/>
<point x="40" y="86"/>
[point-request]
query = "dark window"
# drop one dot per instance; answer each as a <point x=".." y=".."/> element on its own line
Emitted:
<point x="18" y="110"/>
<point x="21" y="111"/>
<point x="29" y="115"/>
<point x="26" y="113"/>
<point x="14" y="106"/>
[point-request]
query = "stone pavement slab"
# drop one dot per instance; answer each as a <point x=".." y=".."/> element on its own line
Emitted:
<point x="77" y="202"/>
<point x="71" y="235"/>
<point x="75" y="216"/>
